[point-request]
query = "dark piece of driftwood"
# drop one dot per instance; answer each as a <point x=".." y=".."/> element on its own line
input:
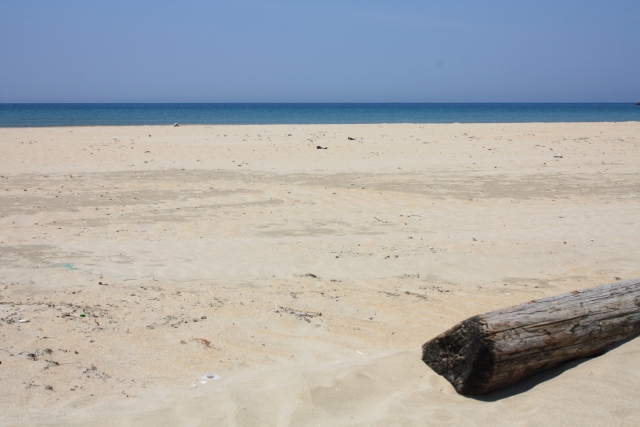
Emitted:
<point x="500" y="348"/>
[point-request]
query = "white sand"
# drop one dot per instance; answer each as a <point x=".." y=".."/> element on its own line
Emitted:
<point x="408" y="230"/>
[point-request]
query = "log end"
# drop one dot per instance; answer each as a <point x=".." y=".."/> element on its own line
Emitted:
<point x="462" y="356"/>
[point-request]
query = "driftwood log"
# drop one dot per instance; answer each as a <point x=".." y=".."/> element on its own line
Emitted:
<point x="500" y="348"/>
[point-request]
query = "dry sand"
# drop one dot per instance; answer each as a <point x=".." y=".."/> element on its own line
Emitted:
<point x="307" y="279"/>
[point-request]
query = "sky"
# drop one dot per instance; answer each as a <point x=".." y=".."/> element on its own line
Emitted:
<point x="319" y="51"/>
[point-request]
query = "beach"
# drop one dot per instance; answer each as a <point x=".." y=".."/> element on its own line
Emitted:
<point x="135" y="260"/>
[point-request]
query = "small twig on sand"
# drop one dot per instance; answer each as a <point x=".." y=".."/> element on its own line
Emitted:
<point x="204" y="341"/>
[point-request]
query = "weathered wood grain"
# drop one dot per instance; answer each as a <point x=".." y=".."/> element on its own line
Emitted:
<point x="500" y="348"/>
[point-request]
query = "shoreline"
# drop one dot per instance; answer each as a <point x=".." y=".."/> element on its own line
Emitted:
<point x="319" y="124"/>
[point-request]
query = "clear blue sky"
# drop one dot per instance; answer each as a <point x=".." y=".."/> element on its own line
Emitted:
<point x="319" y="51"/>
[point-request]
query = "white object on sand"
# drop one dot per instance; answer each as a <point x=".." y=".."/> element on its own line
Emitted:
<point x="210" y="376"/>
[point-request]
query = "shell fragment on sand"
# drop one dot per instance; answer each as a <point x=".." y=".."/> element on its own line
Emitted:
<point x="210" y="376"/>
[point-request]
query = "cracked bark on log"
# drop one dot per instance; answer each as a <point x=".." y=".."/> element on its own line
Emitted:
<point x="502" y="347"/>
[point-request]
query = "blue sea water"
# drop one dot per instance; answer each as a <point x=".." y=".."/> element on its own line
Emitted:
<point x="33" y="115"/>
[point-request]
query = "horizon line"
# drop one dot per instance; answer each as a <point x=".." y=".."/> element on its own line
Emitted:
<point x="315" y="103"/>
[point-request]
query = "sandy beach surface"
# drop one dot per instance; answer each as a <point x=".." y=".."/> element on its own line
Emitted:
<point x="135" y="260"/>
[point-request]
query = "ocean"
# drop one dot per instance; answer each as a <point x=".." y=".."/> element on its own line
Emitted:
<point x="35" y="115"/>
